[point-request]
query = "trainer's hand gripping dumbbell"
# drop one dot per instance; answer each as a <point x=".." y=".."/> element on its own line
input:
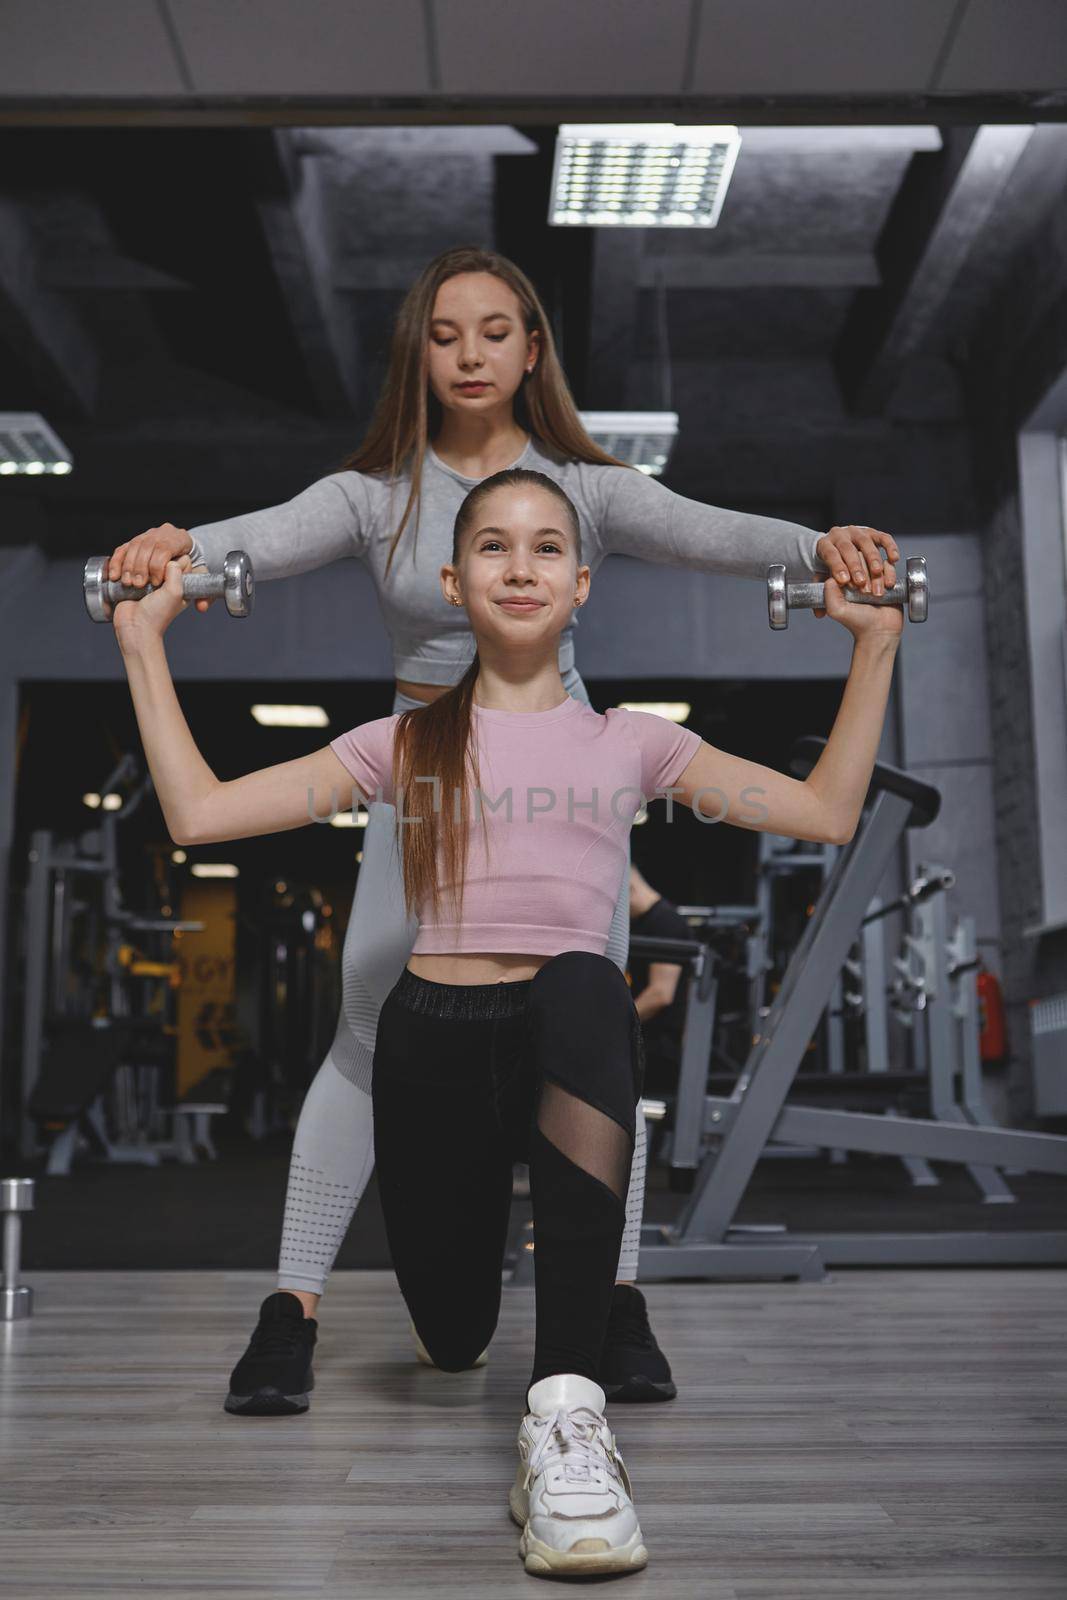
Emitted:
<point x="234" y="583"/>
<point x="782" y="597"/>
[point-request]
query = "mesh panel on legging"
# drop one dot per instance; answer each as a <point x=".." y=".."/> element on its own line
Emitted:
<point x="587" y="1137"/>
<point x="618" y="950"/>
<point x="331" y="1164"/>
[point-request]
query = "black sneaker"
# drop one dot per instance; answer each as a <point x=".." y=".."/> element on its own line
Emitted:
<point x="273" y="1378"/>
<point x="632" y="1366"/>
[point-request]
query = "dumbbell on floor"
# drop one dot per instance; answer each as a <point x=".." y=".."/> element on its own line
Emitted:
<point x="782" y="597"/>
<point x="234" y="583"/>
<point x="16" y="1300"/>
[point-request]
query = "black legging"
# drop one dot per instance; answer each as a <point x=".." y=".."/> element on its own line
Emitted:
<point x="468" y="1079"/>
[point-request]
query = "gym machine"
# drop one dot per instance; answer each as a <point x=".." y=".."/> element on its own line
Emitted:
<point x="298" y="992"/>
<point x="104" y="1078"/>
<point x="699" y="963"/>
<point x="780" y="860"/>
<point x="933" y="996"/>
<point x="16" y="1299"/>
<point x="704" y="1243"/>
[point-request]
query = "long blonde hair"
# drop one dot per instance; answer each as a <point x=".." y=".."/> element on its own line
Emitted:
<point x="408" y="412"/>
<point x="434" y="741"/>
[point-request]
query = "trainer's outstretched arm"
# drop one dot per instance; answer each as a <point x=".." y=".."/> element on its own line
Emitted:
<point x="641" y="517"/>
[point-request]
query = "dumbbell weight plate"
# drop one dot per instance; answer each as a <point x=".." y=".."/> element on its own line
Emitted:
<point x="95" y="589"/>
<point x="238" y="588"/>
<point x="777" y="609"/>
<point x="918" y="592"/>
<point x="96" y="601"/>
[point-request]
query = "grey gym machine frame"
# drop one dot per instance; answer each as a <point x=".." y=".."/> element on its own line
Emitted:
<point x="704" y="1243"/>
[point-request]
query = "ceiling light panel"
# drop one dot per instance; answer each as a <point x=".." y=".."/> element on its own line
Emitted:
<point x="642" y="439"/>
<point x="641" y="175"/>
<point x="28" y="445"/>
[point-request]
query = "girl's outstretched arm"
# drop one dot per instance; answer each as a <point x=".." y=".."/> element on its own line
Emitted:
<point x="826" y="805"/>
<point x="197" y="807"/>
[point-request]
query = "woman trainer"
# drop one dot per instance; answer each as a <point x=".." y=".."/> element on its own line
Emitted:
<point x="474" y="385"/>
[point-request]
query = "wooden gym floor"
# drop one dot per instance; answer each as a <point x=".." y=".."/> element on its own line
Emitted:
<point x="890" y="1434"/>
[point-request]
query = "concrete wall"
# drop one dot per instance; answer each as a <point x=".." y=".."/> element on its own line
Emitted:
<point x="1035" y="966"/>
<point x="1016" y="359"/>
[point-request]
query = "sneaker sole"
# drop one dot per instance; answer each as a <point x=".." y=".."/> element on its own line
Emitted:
<point x="588" y="1556"/>
<point x="637" y="1389"/>
<point x="266" y="1403"/>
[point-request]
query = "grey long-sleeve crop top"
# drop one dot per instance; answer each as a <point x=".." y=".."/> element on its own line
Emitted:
<point x="620" y="511"/>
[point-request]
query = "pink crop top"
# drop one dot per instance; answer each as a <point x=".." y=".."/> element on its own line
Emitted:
<point x="559" y="792"/>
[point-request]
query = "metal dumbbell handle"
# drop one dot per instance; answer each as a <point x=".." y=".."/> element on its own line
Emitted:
<point x="235" y="583"/>
<point x="16" y="1300"/>
<point x="784" y="597"/>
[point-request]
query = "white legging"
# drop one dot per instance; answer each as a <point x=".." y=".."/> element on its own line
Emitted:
<point x="333" y="1149"/>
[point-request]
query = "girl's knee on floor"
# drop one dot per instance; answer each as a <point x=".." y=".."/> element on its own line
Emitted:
<point x="456" y="1350"/>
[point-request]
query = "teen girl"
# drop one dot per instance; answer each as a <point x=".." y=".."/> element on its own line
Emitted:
<point x="473" y="368"/>
<point x="509" y="1033"/>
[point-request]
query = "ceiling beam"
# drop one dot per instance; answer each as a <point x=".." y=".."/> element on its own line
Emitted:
<point x="288" y="200"/>
<point x="41" y="326"/>
<point x="940" y="211"/>
<point x="1036" y="192"/>
<point x="354" y="111"/>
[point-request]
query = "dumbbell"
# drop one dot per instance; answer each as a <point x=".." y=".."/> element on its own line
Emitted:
<point x="782" y="597"/>
<point x="16" y="1300"/>
<point x="234" y="583"/>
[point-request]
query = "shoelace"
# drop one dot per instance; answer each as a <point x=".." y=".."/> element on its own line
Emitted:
<point x="272" y="1339"/>
<point x="632" y="1327"/>
<point x="581" y="1440"/>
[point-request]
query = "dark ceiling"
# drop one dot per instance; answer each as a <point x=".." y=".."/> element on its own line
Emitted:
<point x="203" y="314"/>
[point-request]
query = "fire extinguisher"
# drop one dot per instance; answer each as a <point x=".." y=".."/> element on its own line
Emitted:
<point x="990" y="1015"/>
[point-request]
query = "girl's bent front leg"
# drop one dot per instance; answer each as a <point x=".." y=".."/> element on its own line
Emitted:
<point x="585" y="1049"/>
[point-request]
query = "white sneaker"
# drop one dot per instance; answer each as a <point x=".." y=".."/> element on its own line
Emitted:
<point x="572" y="1493"/>
<point x="427" y="1359"/>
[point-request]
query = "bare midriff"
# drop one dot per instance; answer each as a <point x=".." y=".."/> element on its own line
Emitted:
<point x="487" y="968"/>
